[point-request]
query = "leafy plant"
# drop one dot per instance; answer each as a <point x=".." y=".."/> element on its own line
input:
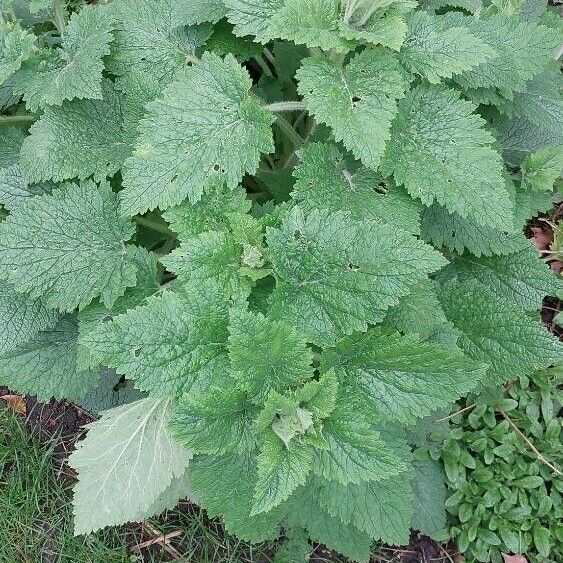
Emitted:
<point x="504" y="497"/>
<point x="293" y="226"/>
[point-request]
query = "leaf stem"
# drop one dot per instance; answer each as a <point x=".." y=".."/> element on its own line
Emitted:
<point x="289" y="131"/>
<point x="286" y="106"/>
<point x="59" y="15"/>
<point x="263" y="65"/>
<point x="12" y="119"/>
<point x="159" y="227"/>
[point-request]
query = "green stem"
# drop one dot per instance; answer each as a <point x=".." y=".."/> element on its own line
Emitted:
<point x="289" y="131"/>
<point x="159" y="227"/>
<point x="286" y="106"/>
<point x="59" y="15"/>
<point x="13" y="119"/>
<point x="263" y="65"/>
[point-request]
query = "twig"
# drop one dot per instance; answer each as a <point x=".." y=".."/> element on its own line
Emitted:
<point x="445" y="552"/>
<point x="164" y="542"/>
<point x="164" y="538"/>
<point x="530" y="445"/>
<point x="455" y="413"/>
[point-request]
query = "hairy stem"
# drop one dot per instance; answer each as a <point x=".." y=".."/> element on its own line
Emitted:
<point x="158" y="226"/>
<point x="59" y="15"/>
<point x="289" y="131"/>
<point x="13" y="119"/>
<point x="263" y="65"/>
<point x="286" y="106"/>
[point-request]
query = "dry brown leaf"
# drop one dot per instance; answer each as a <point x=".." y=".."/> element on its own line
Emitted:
<point x="16" y="403"/>
<point x="514" y="558"/>
<point x="541" y="238"/>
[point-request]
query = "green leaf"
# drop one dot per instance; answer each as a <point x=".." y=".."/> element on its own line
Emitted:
<point x="429" y="496"/>
<point x="11" y="139"/>
<point x="542" y="168"/>
<point x="68" y="248"/>
<point x="184" y="144"/>
<point x="355" y="451"/>
<point x="326" y="259"/>
<point x="215" y="422"/>
<point x="21" y="318"/>
<point x="73" y="71"/>
<point x="304" y="511"/>
<point x="383" y="509"/>
<point x="458" y="233"/>
<point x="253" y="17"/>
<point x="441" y="153"/>
<point x="126" y="462"/>
<point x="387" y="26"/>
<point x="16" y="46"/>
<point x="45" y="366"/>
<point x="224" y="41"/>
<point x="209" y="213"/>
<point x="521" y="277"/>
<point x="542" y="540"/>
<point x="172" y="344"/>
<point x="521" y="347"/>
<point x="111" y="392"/>
<point x="81" y="138"/>
<point x="211" y="255"/>
<point x="266" y="355"/>
<point x="314" y="23"/>
<point x="225" y="487"/>
<point x="400" y="377"/>
<point x="434" y="51"/>
<point x="97" y="313"/>
<point x="281" y="470"/>
<point x="152" y="43"/>
<point x="14" y="188"/>
<point x="199" y="11"/>
<point x="358" y="101"/>
<point x="420" y="313"/>
<point x="524" y="50"/>
<point x="325" y="179"/>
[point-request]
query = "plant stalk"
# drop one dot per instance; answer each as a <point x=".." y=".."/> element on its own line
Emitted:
<point x="286" y="106"/>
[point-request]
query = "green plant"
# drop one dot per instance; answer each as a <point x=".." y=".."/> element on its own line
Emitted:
<point x="293" y="226"/>
<point x="502" y="456"/>
<point x="35" y="506"/>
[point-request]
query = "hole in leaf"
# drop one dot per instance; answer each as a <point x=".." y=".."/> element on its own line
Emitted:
<point x="216" y="167"/>
<point x="353" y="267"/>
<point x="297" y="235"/>
<point x="106" y="319"/>
<point x="174" y="178"/>
<point x="137" y="352"/>
<point x="355" y="99"/>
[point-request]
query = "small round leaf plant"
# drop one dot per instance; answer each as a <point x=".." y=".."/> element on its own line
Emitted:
<point x="263" y="239"/>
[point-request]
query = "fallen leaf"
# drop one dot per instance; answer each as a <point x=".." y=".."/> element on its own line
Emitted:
<point x="16" y="403"/>
<point x="541" y="238"/>
<point x="514" y="558"/>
